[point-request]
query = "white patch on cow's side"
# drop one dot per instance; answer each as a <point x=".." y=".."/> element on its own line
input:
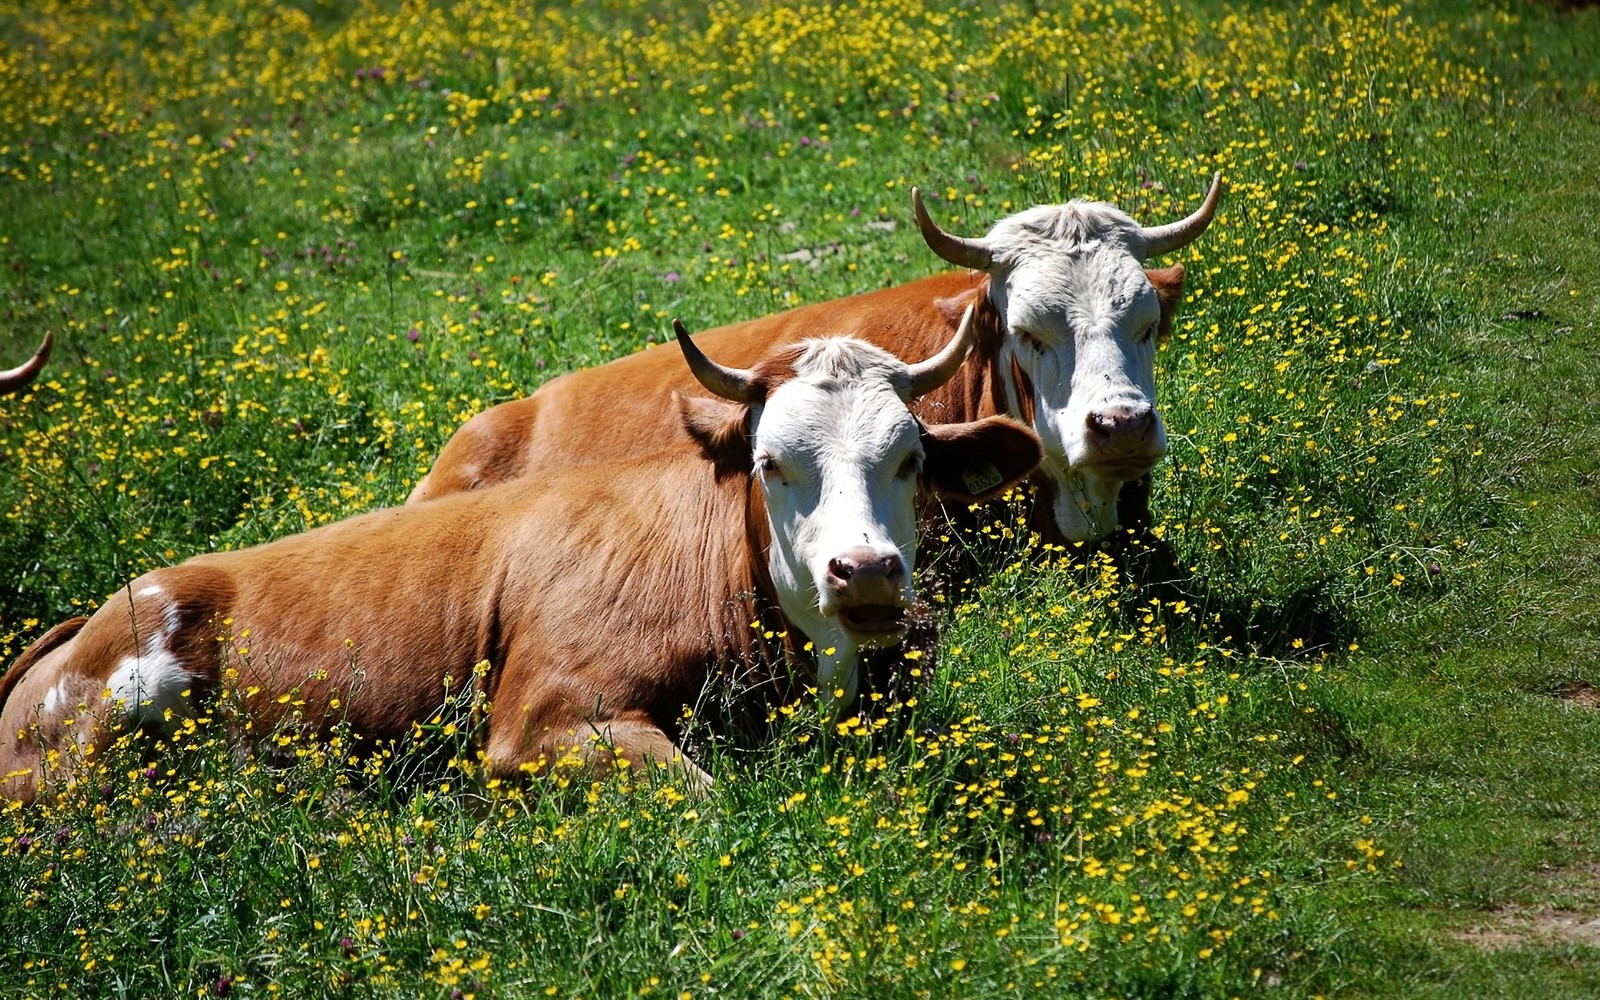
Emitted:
<point x="146" y="684"/>
<point x="837" y="451"/>
<point x="154" y="590"/>
<point x="55" y="696"/>
<point x="1080" y="314"/>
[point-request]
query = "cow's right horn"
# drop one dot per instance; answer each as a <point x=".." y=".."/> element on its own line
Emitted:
<point x="958" y="250"/>
<point x="1177" y="235"/>
<point x="16" y="378"/>
<point x="929" y="375"/>
<point x="729" y="383"/>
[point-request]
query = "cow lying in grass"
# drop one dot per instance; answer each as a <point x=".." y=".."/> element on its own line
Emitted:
<point x="601" y="597"/>
<point x="18" y="378"/>
<point x="1067" y="323"/>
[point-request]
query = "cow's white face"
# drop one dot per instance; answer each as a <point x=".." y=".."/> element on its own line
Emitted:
<point x="838" y="455"/>
<point x="1081" y="320"/>
<point x="827" y="434"/>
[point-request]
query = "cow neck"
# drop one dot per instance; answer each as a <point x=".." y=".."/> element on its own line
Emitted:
<point x="988" y="323"/>
<point x="742" y="583"/>
<point x="682" y="560"/>
<point x="1013" y="391"/>
<point x="748" y="665"/>
<point x="1010" y="392"/>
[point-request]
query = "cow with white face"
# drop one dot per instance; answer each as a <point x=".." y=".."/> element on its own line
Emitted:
<point x="600" y="598"/>
<point x="838" y="459"/>
<point x="1066" y="320"/>
<point x="1080" y="317"/>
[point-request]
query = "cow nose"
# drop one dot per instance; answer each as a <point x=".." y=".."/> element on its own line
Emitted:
<point x="1121" y="423"/>
<point x="865" y="567"/>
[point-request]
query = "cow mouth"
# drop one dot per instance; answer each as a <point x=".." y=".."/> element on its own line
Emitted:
<point x="1124" y="468"/>
<point x="873" y="619"/>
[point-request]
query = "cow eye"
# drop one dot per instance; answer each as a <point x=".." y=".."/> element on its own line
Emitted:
<point x="1031" y="340"/>
<point x="910" y="468"/>
<point x="768" y="467"/>
<point x="1148" y="334"/>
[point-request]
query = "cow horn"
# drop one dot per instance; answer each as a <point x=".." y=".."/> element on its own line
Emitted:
<point x="929" y="375"/>
<point x="958" y="250"/>
<point x="729" y="383"/>
<point x="1177" y="235"/>
<point x="16" y="378"/>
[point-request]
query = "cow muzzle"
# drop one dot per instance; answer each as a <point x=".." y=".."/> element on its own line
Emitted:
<point x="1123" y="442"/>
<point x="866" y="591"/>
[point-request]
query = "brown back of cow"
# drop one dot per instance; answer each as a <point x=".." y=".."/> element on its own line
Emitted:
<point x="623" y="408"/>
<point x="618" y="409"/>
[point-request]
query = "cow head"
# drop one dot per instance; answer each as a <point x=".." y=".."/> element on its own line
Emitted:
<point x="16" y="378"/>
<point x="825" y="429"/>
<point x="1082" y="317"/>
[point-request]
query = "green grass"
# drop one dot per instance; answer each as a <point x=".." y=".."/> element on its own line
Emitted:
<point x="1487" y="769"/>
<point x="285" y="262"/>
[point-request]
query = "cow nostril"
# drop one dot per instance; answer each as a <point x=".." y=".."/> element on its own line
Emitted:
<point x="895" y="569"/>
<point x="841" y="570"/>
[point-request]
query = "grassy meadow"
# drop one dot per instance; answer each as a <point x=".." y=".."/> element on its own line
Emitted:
<point x="286" y="249"/>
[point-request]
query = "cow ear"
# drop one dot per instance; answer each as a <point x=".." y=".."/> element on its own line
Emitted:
<point x="976" y="460"/>
<point x="718" y="427"/>
<point x="1168" y="283"/>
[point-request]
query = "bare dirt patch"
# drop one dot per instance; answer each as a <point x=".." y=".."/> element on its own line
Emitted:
<point x="1571" y="917"/>
<point x="1582" y="694"/>
<point x="1520" y="927"/>
<point x="1490" y="935"/>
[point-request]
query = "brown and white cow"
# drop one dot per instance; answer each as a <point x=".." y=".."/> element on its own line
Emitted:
<point x="1067" y="323"/>
<point x="601" y="597"/>
<point x="15" y="379"/>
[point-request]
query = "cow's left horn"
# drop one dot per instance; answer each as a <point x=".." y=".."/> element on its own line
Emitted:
<point x="958" y="250"/>
<point x="1177" y="235"/>
<point x="929" y="375"/>
<point x="729" y="383"/>
<point x="16" y="378"/>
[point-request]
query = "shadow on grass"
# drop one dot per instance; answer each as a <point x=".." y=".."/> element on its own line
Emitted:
<point x="1306" y="621"/>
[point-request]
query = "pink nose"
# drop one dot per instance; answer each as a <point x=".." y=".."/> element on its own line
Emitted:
<point x="866" y="572"/>
<point x="1121" y="427"/>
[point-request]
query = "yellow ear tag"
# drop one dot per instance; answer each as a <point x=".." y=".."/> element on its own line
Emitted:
<point x="982" y="479"/>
